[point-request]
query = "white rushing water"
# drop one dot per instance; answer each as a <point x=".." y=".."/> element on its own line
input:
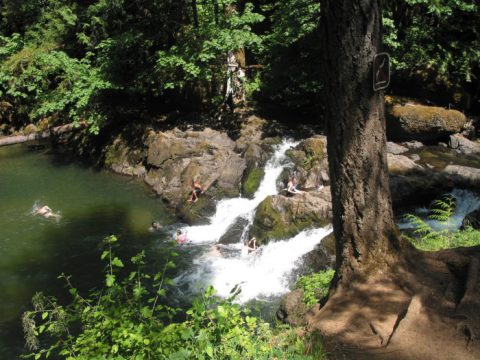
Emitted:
<point x="262" y="273"/>
<point x="466" y="202"/>
<point x="229" y="210"/>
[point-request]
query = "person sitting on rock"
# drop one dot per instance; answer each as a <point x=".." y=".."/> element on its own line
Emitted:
<point x="251" y="245"/>
<point x="181" y="238"/>
<point x="156" y="226"/>
<point x="292" y="186"/>
<point x="197" y="189"/>
<point x="46" y="212"/>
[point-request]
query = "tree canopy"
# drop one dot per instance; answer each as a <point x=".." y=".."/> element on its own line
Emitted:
<point x="100" y="60"/>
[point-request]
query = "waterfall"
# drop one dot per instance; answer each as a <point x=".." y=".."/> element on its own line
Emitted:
<point x="262" y="273"/>
<point x="229" y="210"/>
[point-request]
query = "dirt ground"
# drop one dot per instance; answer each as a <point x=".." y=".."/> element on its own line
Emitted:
<point x="427" y="307"/>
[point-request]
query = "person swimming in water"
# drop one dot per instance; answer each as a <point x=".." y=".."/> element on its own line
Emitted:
<point x="181" y="238"/>
<point x="156" y="226"/>
<point x="46" y="212"/>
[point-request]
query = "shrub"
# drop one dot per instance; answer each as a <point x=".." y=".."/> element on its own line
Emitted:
<point x="315" y="286"/>
<point x="128" y="319"/>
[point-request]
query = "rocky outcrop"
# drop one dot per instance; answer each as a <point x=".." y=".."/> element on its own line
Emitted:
<point x="122" y="159"/>
<point x="175" y="157"/>
<point x="311" y="162"/>
<point x="280" y="217"/>
<point x="423" y="123"/>
<point x="464" y="145"/>
<point x="255" y="151"/>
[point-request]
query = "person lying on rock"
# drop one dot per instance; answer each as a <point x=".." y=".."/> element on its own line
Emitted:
<point x="197" y="189"/>
<point x="46" y="212"/>
<point x="292" y="186"/>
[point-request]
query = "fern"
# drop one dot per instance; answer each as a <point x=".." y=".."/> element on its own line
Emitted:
<point x="428" y="239"/>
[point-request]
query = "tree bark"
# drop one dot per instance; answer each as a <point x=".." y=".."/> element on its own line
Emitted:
<point x="364" y="228"/>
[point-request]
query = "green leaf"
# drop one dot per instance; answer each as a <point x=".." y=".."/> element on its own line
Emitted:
<point x="110" y="280"/>
<point x="44" y="315"/>
<point x="209" y="350"/>
<point x="104" y="254"/>
<point x="117" y="262"/>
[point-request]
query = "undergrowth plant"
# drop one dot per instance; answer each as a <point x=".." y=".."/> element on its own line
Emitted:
<point x="128" y="319"/>
<point x="314" y="286"/>
<point x="428" y="239"/>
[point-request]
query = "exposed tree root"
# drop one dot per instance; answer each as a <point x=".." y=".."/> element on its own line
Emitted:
<point x="425" y="308"/>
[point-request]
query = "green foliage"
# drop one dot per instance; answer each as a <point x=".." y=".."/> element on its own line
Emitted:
<point x="291" y="54"/>
<point x="437" y="38"/>
<point x="129" y="319"/>
<point x="428" y="239"/>
<point x="315" y="286"/>
<point x="199" y="54"/>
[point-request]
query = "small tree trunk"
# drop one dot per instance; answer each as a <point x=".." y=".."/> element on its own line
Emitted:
<point x="195" y="13"/>
<point x="235" y="89"/>
<point x="364" y="228"/>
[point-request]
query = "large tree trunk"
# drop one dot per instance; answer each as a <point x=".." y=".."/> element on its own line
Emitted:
<point x="366" y="236"/>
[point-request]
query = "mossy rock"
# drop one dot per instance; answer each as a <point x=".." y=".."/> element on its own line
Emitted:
<point x="278" y="218"/>
<point x="198" y="212"/>
<point x="30" y="129"/>
<point x="119" y="152"/>
<point x="252" y="181"/>
<point x="428" y="124"/>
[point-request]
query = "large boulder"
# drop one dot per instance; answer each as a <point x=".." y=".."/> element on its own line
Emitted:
<point x="175" y="158"/>
<point x="428" y="124"/>
<point x="280" y="217"/>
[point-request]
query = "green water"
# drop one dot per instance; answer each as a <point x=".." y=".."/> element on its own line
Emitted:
<point x="35" y="250"/>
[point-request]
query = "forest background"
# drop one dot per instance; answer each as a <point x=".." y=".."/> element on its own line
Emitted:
<point x="114" y="63"/>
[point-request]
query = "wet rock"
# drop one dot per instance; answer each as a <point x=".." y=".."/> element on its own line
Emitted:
<point x="464" y="145"/>
<point x="472" y="220"/>
<point x="234" y="233"/>
<point x="279" y="217"/>
<point x="423" y="123"/>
